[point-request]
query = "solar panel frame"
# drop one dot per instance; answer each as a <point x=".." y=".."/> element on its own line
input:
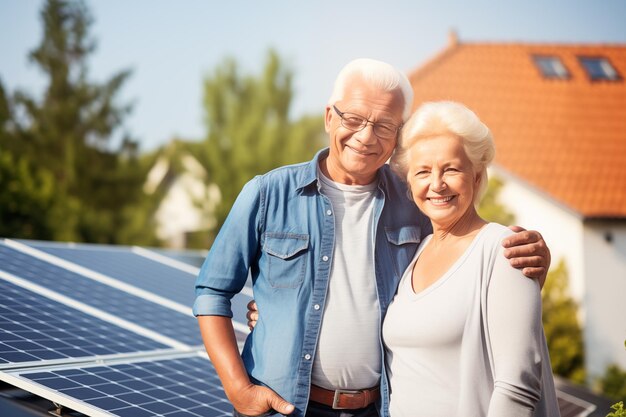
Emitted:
<point x="195" y="258"/>
<point x="166" y="292"/>
<point x="31" y="283"/>
<point x="146" y="313"/>
<point x="132" y="272"/>
<point x="571" y="406"/>
<point x="183" y="384"/>
<point x="17" y="374"/>
<point x="50" y="331"/>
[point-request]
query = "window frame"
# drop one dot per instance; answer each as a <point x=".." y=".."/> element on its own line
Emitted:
<point x="602" y="62"/>
<point x="545" y="63"/>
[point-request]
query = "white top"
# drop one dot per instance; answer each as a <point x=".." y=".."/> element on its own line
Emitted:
<point x="348" y="349"/>
<point x="472" y="343"/>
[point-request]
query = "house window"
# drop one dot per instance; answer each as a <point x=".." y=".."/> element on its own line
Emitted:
<point x="599" y="68"/>
<point x="551" y="66"/>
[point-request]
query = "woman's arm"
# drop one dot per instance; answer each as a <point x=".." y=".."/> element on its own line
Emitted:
<point x="514" y="332"/>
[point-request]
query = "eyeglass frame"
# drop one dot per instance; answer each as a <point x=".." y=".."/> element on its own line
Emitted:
<point x="367" y="121"/>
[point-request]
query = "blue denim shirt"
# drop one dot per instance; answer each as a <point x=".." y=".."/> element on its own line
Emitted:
<point x="281" y="230"/>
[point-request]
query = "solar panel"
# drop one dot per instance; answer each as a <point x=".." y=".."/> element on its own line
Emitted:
<point x="186" y="385"/>
<point x="128" y="267"/>
<point x="573" y="407"/>
<point x="87" y="327"/>
<point x="82" y="326"/>
<point x="137" y="267"/>
<point x="193" y="258"/>
<point x="146" y="313"/>
<point x="35" y="328"/>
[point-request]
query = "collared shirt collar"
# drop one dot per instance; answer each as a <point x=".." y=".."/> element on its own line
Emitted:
<point x="309" y="175"/>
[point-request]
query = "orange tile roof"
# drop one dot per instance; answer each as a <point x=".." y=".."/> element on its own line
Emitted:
<point x="565" y="137"/>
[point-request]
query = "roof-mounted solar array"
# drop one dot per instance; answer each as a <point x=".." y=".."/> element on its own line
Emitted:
<point x="108" y="331"/>
<point x="105" y="330"/>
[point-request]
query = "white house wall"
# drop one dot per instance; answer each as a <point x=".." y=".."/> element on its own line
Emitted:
<point x="561" y="229"/>
<point x="605" y="297"/>
<point x="179" y="212"/>
<point x="596" y="268"/>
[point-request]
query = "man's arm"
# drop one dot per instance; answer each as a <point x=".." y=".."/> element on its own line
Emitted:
<point x="514" y="335"/>
<point x="223" y="275"/>
<point x="221" y="345"/>
<point x="526" y="250"/>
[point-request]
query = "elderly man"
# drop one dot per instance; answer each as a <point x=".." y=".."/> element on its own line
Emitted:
<point x="325" y="243"/>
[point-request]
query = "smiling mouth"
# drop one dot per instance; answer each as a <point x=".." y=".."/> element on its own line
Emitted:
<point x="363" y="153"/>
<point x="440" y="200"/>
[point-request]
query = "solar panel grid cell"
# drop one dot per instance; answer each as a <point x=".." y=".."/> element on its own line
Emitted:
<point x="99" y="287"/>
<point x="127" y="306"/>
<point x="172" y="387"/>
<point x="130" y="268"/>
<point x="120" y="263"/>
<point x="36" y="328"/>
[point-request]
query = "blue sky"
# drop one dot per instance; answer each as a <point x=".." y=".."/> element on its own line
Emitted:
<point x="172" y="45"/>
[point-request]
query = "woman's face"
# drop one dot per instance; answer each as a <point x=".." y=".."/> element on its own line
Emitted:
<point x="442" y="179"/>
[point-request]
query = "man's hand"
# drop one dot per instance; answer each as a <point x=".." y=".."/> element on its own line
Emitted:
<point x="255" y="400"/>
<point x="526" y="250"/>
<point x="252" y="315"/>
<point x="219" y="339"/>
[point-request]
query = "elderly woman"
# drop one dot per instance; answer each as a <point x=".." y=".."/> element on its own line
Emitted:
<point x="463" y="333"/>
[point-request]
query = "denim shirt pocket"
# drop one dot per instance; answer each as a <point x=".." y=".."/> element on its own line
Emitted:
<point x="404" y="234"/>
<point x="403" y="241"/>
<point x="286" y="260"/>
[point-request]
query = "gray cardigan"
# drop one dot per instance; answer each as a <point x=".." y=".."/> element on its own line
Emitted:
<point x="471" y="344"/>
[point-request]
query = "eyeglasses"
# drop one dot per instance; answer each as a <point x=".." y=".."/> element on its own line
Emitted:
<point x="357" y="123"/>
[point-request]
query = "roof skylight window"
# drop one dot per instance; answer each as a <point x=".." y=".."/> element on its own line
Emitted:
<point x="551" y="66"/>
<point x="599" y="68"/>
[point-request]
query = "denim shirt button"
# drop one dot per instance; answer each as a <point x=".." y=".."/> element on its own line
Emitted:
<point x="325" y="258"/>
<point x="307" y="357"/>
<point x="329" y="212"/>
<point x="316" y="307"/>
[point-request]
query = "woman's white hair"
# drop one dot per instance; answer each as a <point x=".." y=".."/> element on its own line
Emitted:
<point x="377" y="73"/>
<point x="447" y="117"/>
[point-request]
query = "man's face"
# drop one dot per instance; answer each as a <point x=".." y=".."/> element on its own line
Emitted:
<point x="355" y="157"/>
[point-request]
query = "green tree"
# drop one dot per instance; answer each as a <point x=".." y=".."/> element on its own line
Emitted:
<point x="560" y="322"/>
<point x="248" y="127"/>
<point x="613" y="383"/>
<point x="27" y="193"/>
<point x="490" y="208"/>
<point x="69" y="133"/>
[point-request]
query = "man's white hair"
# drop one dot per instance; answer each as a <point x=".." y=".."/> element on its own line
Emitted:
<point x="377" y="73"/>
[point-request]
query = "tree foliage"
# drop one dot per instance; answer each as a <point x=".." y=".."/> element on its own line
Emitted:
<point x="560" y="322"/>
<point x="490" y="208"/>
<point x="248" y="127"/>
<point x="613" y="383"/>
<point x="63" y="142"/>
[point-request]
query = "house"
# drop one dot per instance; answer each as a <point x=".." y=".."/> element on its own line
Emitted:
<point x="187" y="199"/>
<point x="558" y="115"/>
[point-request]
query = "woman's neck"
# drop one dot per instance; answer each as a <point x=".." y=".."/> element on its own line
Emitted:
<point x="467" y="225"/>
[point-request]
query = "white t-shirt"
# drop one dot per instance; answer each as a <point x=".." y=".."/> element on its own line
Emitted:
<point x="348" y="352"/>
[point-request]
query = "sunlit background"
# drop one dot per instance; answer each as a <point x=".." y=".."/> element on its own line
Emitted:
<point x="146" y="132"/>
<point x="172" y="46"/>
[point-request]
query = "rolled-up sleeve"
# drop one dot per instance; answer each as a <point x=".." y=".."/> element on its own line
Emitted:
<point x="225" y="269"/>
<point x="515" y="334"/>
